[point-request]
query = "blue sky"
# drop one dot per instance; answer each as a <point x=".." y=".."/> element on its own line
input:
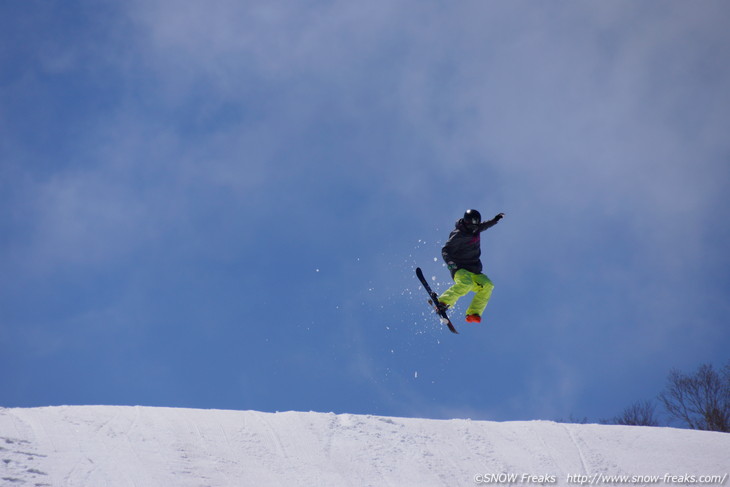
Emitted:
<point x="221" y="204"/>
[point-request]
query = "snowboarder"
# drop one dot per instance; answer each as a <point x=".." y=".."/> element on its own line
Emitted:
<point x="462" y="253"/>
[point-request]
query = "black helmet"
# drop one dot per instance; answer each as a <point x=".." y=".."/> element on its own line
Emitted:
<point x="473" y="217"/>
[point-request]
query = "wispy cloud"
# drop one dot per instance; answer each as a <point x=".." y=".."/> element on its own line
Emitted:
<point x="268" y="137"/>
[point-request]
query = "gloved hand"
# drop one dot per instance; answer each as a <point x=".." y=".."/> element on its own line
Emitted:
<point x="499" y="217"/>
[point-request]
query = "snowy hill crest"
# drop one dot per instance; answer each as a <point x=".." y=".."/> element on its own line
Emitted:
<point x="140" y="446"/>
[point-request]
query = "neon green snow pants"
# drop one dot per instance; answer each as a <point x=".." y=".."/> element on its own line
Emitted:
<point x="464" y="282"/>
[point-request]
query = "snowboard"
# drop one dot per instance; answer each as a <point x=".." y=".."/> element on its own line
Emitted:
<point x="434" y="300"/>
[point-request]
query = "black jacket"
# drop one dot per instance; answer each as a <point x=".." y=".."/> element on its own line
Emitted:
<point x="462" y="249"/>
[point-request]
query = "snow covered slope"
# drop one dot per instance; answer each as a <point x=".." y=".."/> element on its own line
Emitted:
<point x="147" y="447"/>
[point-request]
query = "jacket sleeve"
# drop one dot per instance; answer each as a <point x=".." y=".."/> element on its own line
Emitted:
<point x="446" y="254"/>
<point x="448" y="250"/>
<point x="489" y="224"/>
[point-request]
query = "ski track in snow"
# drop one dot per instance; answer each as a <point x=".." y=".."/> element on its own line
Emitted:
<point x="150" y="447"/>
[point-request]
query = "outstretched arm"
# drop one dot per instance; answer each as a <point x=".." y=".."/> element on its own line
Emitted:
<point x="488" y="224"/>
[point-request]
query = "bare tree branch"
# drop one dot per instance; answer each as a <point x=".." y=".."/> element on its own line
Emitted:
<point x="702" y="400"/>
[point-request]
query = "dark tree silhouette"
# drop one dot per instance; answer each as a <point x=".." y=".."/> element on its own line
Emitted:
<point x="701" y="400"/>
<point x="641" y="413"/>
